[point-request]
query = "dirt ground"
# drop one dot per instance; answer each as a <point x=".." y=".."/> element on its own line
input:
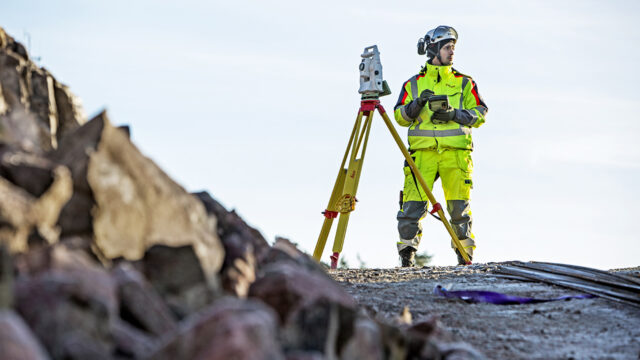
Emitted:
<point x="576" y="329"/>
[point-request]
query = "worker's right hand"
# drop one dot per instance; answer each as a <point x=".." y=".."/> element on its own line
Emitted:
<point x="424" y="97"/>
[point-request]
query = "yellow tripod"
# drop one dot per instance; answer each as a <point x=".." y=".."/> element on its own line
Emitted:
<point x="343" y="196"/>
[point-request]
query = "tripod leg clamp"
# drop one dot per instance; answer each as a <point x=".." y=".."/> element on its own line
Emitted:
<point x="435" y="209"/>
<point x="330" y="214"/>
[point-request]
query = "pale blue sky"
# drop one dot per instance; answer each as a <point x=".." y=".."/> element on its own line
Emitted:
<point x="254" y="102"/>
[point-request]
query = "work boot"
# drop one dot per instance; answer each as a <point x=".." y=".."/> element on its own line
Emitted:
<point x="408" y="256"/>
<point x="461" y="259"/>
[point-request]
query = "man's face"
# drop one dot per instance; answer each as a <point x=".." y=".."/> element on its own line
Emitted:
<point x="446" y="53"/>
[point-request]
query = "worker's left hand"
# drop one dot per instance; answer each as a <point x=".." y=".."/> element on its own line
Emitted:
<point x="443" y="116"/>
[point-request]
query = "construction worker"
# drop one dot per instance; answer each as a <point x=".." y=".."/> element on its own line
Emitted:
<point x="439" y="142"/>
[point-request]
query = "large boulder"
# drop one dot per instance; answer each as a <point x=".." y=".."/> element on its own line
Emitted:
<point x="228" y="329"/>
<point x="69" y="301"/>
<point x="288" y="288"/>
<point x="133" y="203"/>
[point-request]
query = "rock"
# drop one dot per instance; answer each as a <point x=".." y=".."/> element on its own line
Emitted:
<point x="4" y="107"/>
<point x="287" y="287"/>
<point x="323" y="326"/>
<point x="366" y="342"/>
<point x="126" y="129"/>
<point x="22" y="214"/>
<point x="245" y="247"/>
<point x="305" y="355"/>
<point x="454" y="351"/>
<point x="29" y="117"/>
<point x="140" y="305"/>
<point x="17" y="342"/>
<point x="130" y="342"/>
<point x="69" y="109"/>
<point x="6" y="278"/>
<point x="8" y="43"/>
<point x="285" y="251"/>
<point x="395" y="342"/>
<point x="405" y="317"/>
<point x="136" y="205"/>
<point x="14" y="89"/>
<point x="3" y="38"/>
<point x="176" y="274"/>
<point x="42" y="101"/>
<point x="228" y="329"/>
<point x="18" y="128"/>
<point x="239" y="266"/>
<point x="230" y="223"/>
<point x="425" y="327"/>
<point x="75" y="217"/>
<point x="69" y="302"/>
<point x="31" y="172"/>
<point x="35" y="109"/>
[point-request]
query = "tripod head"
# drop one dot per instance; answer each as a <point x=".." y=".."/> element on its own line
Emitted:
<point x="372" y="86"/>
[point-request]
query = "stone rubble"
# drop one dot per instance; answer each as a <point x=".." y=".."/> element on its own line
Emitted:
<point x="104" y="256"/>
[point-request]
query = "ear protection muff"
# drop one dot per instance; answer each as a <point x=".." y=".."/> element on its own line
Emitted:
<point x="422" y="47"/>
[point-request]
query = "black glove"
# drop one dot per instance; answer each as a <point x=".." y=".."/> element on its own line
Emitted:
<point x="424" y="97"/>
<point x="414" y="107"/>
<point x="443" y="116"/>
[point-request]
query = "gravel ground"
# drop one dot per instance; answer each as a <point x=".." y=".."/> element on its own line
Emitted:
<point x="576" y="329"/>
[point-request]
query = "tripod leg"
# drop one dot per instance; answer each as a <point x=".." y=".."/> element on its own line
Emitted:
<point x="351" y="187"/>
<point x="330" y="214"/>
<point x="332" y="208"/>
<point x="338" y="243"/>
<point x="416" y="172"/>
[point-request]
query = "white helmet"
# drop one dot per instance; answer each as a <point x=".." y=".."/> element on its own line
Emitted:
<point x="431" y="43"/>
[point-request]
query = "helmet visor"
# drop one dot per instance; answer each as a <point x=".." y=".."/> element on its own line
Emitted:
<point x="443" y="33"/>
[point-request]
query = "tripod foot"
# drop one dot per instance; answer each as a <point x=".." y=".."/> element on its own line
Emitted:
<point x="334" y="260"/>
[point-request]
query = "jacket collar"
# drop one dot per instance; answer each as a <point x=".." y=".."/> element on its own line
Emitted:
<point x="438" y="72"/>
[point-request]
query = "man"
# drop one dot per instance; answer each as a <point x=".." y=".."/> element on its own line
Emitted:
<point x="439" y="142"/>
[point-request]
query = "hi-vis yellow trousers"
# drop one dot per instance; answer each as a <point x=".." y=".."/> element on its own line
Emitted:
<point x="454" y="167"/>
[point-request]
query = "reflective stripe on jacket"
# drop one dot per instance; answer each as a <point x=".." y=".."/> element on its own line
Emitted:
<point x="463" y="94"/>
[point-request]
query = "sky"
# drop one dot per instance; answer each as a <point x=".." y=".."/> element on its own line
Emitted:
<point x="254" y="102"/>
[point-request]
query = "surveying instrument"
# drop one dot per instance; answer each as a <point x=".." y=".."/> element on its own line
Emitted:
<point x="343" y="197"/>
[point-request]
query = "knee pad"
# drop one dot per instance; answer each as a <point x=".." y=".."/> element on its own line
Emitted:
<point x="459" y="210"/>
<point x="408" y="230"/>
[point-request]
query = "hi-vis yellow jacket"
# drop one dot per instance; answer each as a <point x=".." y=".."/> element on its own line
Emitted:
<point x="463" y="94"/>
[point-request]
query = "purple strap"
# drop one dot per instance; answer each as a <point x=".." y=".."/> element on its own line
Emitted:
<point x="491" y="297"/>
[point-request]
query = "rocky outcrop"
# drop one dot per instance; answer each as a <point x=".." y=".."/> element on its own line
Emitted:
<point x="36" y="111"/>
<point x="132" y="203"/>
<point x="228" y="329"/>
